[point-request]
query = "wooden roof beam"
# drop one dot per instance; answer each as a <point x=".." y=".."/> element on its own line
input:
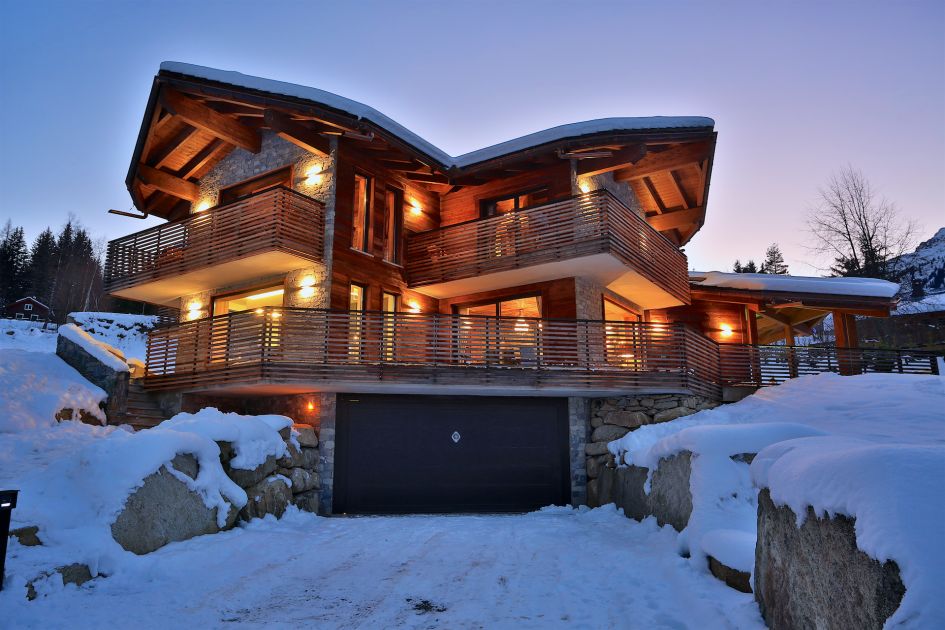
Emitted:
<point x="674" y="220"/>
<point x="654" y="163"/>
<point x="588" y="167"/>
<point x="296" y="133"/>
<point x="167" y="183"/>
<point x="677" y="186"/>
<point x="203" y="117"/>
<point x="651" y="189"/>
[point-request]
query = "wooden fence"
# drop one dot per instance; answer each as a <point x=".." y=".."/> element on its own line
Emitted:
<point x="592" y="223"/>
<point x="757" y="366"/>
<point x="275" y="219"/>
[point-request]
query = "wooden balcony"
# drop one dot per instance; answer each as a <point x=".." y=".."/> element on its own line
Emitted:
<point x="592" y="235"/>
<point x="758" y="366"/>
<point x="283" y="350"/>
<point x="275" y="231"/>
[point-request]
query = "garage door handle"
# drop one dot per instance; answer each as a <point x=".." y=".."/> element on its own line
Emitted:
<point x="456" y="437"/>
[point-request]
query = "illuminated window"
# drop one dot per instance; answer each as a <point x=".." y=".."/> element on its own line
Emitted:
<point x="356" y="301"/>
<point x="510" y="203"/>
<point x="613" y="312"/>
<point x="512" y="340"/>
<point x="361" y="213"/>
<point x="389" y="303"/>
<point x="248" y="300"/>
<point x="621" y="337"/>
<point x="393" y="221"/>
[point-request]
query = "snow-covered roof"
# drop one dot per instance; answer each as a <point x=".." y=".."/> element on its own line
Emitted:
<point x="858" y="287"/>
<point x="31" y="298"/>
<point x="370" y="114"/>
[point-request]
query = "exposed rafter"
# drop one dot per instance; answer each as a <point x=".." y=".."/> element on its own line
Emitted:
<point x="675" y="220"/>
<point x="651" y="189"/>
<point x="203" y="117"/>
<point x="167" y="183"/>
<point x="677" y="186"/>
<point x="615" y="161"/>
<point x="296" y="133"/>
<point x="654" y="163"/>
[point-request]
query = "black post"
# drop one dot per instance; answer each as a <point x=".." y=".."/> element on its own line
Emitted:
<point x="7" y="503"/>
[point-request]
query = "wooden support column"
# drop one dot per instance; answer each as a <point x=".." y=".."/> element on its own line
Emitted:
<point x="754" y="355"/>
<point x="789" y="350"/>
<point x="844" y="326"/>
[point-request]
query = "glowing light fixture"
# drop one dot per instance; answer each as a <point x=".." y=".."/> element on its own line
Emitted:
<point x="415" y="209"/>
<point x="193" y="310"/>
<point x="314" y="175"/>
<point x="311" y="406"/>
<point x="726" y="330"/>
<point x="584" y="186"/>
<point x="307" y="287"/>
<point x="203" y="206"/>
<point x="259" y="296"/>
<point x="413" y="307"/>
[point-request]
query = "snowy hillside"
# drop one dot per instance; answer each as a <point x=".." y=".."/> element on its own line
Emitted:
<point x="925" y="269"/>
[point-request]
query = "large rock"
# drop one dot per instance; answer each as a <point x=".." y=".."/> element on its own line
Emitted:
<point x="291" y="459"/>
<point x="27" y="536"/>
<point x="669" y="499"/>
<point x="628" y="419"/>
<point x="245" y="478"/>
<point x="671" y="414"/>
<point x="270" y="496"/>
<point x="165" y="510"/>
<point x="307" y="501"/>
<point x="302" y="480"/>
<point x="596" y="448"/>
<point x="310" y="458"/>
<point x="307" y="436"/>
<point x="608" y="433"/>
<point x="814" y="576"/>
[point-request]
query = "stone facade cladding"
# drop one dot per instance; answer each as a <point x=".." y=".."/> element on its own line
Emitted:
<point x="578" y="433"/>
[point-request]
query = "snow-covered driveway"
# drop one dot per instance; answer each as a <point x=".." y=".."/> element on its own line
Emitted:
<point x="591" y="569"/>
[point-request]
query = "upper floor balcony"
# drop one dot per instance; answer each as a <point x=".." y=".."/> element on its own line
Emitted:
<point x="273" y="231"/>
<point x="591" y="235"/>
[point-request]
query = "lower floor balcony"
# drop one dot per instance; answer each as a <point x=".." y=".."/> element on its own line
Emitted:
<point x="276" y="350"/>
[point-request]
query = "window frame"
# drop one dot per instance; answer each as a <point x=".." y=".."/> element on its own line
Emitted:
<point x="484" y="204"/>
<point x="365" y="245"/>
<point x="393" y="225"/>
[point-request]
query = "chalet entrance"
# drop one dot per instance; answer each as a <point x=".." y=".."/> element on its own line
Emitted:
<point x="437" y="454"/>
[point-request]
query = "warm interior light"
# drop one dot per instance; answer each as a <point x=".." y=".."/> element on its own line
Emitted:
<point x="202" y="206"/>
<point x="260" y="311"/>
<point x="415" y="209"/>
<point x="413" y="307"/>
<point x="259" y="296"/>
<point x="726" y="330"/>
<point x="585" y="187"/>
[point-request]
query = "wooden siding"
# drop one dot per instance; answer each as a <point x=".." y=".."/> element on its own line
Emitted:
<point x="277" y="219"/>
<point x="588" y="224"/>
<point x="335" y="349"/>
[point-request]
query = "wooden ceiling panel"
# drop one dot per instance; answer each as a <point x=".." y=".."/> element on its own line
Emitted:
<point x="193" y="145"/>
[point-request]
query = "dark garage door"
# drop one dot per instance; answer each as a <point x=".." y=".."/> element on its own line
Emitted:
<point x="421" y="454"/>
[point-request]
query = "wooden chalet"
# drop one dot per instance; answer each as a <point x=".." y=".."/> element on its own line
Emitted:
<point x="328" y="263"/>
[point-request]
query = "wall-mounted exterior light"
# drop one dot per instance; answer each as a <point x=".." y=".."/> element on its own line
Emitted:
<point x="726" y="330"/>
<point x="314" y="175"/>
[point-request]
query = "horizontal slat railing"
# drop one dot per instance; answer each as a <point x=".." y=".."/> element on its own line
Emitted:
<point x="757" y="366"/>
<point x="587" y="224"/>
<point x="275" y="219"/>
<point x="313" y="345"/>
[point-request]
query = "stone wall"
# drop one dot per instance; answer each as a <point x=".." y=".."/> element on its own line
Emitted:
<point x="612" y="418"/>
<point x="669" y="498"/>
<point x="813" y="576"/>
<point x="578" y="433"/>
<point x="620" y="190"/>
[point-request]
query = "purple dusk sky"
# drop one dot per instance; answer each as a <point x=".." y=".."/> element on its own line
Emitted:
<point x="797" y="90"/>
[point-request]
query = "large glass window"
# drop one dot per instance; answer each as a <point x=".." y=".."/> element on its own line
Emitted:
<point x="393" y="221"/>
<point x="622" y="341"/>
<point x="356" y="302"/>
<point x="389" y="304"/>
<point x="510" y="203"/>
<point x="512" y="340"/>
<point x="613" y="312"/>
<point x="248" y="300"/>
<point x="361" y="213"/>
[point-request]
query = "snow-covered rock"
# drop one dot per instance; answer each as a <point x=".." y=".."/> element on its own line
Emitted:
<point x="122" y="331"/>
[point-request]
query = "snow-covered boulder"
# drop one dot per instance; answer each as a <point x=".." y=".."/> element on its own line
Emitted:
<point x="272" y="495"/>
<point x="164" y="509"/>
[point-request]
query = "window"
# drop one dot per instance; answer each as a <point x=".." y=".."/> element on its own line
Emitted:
<point x="27" y="307"/>
<point x="279" y="177"/>
<point x="393" y="224"/>
<point x="622" y="338"/>
<point x="356" y="301"/>
<point x="613" y="312"/>
<point x="389" y="303"/>
<point x="361" y="213"/>
<point x="249" y="300"/>
<point x="19" y="315"/>
<point x="512" y="340"/>
<point x="513" y="202"/>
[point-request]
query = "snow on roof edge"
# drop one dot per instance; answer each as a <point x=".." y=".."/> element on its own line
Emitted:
<point x="368" y="113"/>
<point x="857" y="287"/>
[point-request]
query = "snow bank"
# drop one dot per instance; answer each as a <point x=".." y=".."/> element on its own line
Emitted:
<point x="254" y="438"/>
<point x="104" y="353"/>
<point x="19" y="334"/>
<point x="34" y="386"/>
<point x="882" y="407"/>
<point x="863" y="287"/>
<point x="895" y="493"/>
<point x="128" y="333"/>
<point x="362" y="111"/>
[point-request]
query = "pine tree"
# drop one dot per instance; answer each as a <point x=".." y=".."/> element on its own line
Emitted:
<point x="750" y="267"/>
<point x="14" y="263"/>
<point x="774" y="261"/>
<point x="737" y="267"/>
<point x="42" y="270"/>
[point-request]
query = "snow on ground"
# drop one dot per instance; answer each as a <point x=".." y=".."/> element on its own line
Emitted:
<point x="870" y="446"/>
<point x="101" y="351"/>
<point x="18" y="334"/>
<point x="554" y="568"/>
<point x="127" y="333"/>
<point x="34" y="386"/>
<point x="893" y="490"/>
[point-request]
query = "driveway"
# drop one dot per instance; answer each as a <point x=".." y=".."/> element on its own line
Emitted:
<point x="554" y="568"/>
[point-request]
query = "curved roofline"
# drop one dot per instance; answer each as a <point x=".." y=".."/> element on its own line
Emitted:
<point x="369" y="114"/>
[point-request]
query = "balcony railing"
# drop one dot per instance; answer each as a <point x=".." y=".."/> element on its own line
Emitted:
<point x="371" y="350"/>
<point x="588" y="224"/>
<point x="275" y="219"/>
<point x="757" y="366"/>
